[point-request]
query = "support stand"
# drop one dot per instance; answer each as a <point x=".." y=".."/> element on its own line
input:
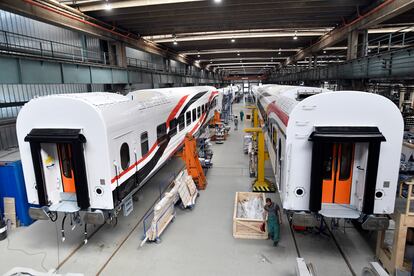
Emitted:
<point x="261" y="184"/>
<point x="192" y="163"/>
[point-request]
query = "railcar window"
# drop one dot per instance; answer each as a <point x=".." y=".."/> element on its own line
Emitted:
<point x="194" y="115"/>
<point x="346" y="161"/>
<point x="198" y="112"/>
<point x="144" y="143"/>
<point x="161" y="132"/>
<point x="181" y="122"/>
<point x="274" y="136"/>
<point x="280" y="150"/>
<point x="188" y="118"/>
<point x="173" y="127"/>
<point x="327" y="153"/>
<point x="203" y="108"/>
<point x="125" y="158"/>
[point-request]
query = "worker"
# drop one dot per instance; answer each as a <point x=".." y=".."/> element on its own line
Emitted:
<point x="241" y="115"/>
<point x="274" y="220"/>
<point x="236" y="122"/>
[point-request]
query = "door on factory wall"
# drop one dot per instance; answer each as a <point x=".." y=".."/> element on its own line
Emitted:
<point x="338" y="159"/>
<point x="66" y="167"/>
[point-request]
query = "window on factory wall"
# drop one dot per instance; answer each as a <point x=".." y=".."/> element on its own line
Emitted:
<point x="173" y="127"/>
<point x="161" y="132"/>
<point x="188" y="117"/>
<point x="124" y="156"/>
<point x="144" y="143"/>
<point x="198" y="112"/>
<point x="181" y="122"/>
<point x="194" y="115"/>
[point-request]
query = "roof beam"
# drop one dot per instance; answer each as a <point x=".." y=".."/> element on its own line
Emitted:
<point x="248" y="50"/>
<point x="63" y="16"/>
<point x="130" y="3"/>
<point x="231" y="35"/>
<point x="381" y="13"/>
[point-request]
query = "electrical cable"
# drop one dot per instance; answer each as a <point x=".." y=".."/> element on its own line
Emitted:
<point x="57" y="243"/>
<point x="27" y="253"/>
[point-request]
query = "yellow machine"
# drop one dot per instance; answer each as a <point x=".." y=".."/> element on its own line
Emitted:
<point x="255" y="115"/>
<point x="261" y="184"/>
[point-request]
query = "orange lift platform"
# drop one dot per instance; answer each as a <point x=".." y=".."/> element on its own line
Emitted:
<point x="190" y="156"/>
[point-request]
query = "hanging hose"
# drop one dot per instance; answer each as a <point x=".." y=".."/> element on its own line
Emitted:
<point x="53" y="216"/>
<point x="62" y="230"/>
<point x="85" y="240"/>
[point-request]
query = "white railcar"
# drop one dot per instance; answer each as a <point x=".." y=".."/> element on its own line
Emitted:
<point x="89" y="152"/>
<point x="333" y="153"/>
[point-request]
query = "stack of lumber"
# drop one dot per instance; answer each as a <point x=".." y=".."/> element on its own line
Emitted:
<point x="10" y="211"/>
<point x="187" y="189"/>
<point x="164" y="213"/>
<point x="247" y="224"/>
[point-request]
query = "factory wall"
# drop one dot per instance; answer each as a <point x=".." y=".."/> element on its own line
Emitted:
<point x="27" y="33"/>
<point x="19" y="94"/>
<point x="28" y="36"/>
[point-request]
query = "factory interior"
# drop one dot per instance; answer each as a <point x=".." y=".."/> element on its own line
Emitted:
<point x="208" y="137"/>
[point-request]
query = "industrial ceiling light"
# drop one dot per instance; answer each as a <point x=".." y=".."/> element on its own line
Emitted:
<point x="175" y="40"/>
<point x="238" y="54"/>
<point x="108" y="6"/>
<point x="232" y="40"/>
<point x="217" y="1"/>
<point x="324" y="51"/>
<point x="295" y="37"/>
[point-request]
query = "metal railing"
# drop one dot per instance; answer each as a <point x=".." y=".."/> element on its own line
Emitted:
<point x="143" y="64"/>
<point x="400" y="39"/>
<point x="24" y="44"/>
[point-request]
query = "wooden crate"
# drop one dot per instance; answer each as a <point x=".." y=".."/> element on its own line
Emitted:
<point x="244" y="228"/>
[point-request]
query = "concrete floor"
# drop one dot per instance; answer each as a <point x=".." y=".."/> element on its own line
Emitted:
<point x="199" y="241"/>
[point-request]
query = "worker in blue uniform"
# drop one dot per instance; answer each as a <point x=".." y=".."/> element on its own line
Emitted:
<point x="274" y="220"/>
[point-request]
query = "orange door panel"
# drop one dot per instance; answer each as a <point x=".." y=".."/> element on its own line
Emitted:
<point x="66" y="169"/>
<point x="337" y="173"/>
<point x="344" y="174"/>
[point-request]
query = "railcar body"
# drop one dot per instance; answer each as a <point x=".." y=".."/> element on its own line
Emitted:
<point x="89" y="152"/>
<point x="333" y="153"/>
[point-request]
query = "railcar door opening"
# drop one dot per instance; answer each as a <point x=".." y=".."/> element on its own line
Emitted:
<point x="338" y="159"/>
<point x="344" y="170"/>
<point x="59" y="167"/>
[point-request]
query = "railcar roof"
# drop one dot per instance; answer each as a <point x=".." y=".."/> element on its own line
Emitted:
<point x="94" y="98"/>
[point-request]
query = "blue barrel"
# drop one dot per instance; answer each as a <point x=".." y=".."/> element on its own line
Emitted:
<point x="12" y="185"/>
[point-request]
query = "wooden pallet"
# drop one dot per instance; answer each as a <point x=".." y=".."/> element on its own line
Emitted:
<point x="393" y="259"/>
<point x="245" y="228"/>
<point x="10" y="211"/>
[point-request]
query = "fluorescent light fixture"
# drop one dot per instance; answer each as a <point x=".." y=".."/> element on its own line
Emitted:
<point x="108" y="6"/>
<point x="217" y="1"/>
